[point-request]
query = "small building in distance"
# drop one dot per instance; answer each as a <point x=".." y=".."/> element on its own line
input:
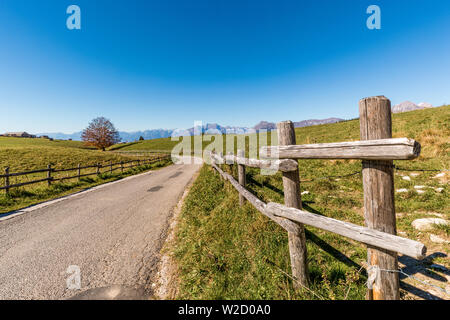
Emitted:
<point x="22" y="134"/>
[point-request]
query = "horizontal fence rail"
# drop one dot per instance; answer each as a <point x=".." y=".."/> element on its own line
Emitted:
<point x="365" y="235"/>
<point x="285" y="165"/>
<point x="377" y="150"/>
<point x="111" y="167"/>
<point x="384" y="149"/>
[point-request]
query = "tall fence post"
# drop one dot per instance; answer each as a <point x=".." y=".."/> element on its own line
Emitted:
<point x="79" y="172"/>
<point x="241" y="174"/>
<point x="49" y="175"/>
<point x="379" y="208"/>
<point x="98" y="169"/>
<point x="110" y="166"/>
<point x="121" y="166"/>
<point x="292" y="198"/>
<point x="7" y="180"/>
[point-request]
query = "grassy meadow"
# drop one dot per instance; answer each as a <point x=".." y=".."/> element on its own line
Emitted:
<point x="224" y="251"/>
<point x="26" y="154"/>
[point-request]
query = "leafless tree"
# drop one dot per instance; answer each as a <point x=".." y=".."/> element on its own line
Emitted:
<point x="100" y="133"/>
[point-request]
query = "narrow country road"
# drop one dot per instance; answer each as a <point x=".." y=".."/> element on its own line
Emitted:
<point x="113" y="234"/>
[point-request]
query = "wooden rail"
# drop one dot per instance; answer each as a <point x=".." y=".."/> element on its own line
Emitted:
<point x="50" y="170"/>
<point x="377" y="149"/>
<point x="383" y="149"/>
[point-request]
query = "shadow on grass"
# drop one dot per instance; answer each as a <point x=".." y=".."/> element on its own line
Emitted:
<point x="333" y="252"/>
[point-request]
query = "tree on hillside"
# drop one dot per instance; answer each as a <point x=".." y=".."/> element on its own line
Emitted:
<point x="100" y="133"/>
<point x="141" y="138"/>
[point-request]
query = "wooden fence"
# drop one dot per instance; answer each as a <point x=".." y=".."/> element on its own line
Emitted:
<point x="377" y="151"/>
<point x="110" y="168"/>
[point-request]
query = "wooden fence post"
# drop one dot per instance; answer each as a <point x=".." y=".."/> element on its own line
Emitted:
<point x="378" y="184"/>
<point x="7" y="180"/>
<point x="79" y="172"/>
<point x="49" y="174"/>
<point x="241" y="174"/>
<point x="98" y="169"/>
<point x="110" y="166"/>
<point x="292" y="198"/>
<point x="121" y="166"/>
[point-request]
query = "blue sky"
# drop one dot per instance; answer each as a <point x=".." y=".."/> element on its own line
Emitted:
<point x="165" y="64"/>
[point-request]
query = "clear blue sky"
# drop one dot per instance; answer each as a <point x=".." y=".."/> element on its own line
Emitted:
<point x="164" y="64"/>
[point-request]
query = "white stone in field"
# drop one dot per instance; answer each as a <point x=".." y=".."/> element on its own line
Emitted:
<point x="407" y="178"/>
<point x="425" y="224"/>
<point x="436" y="239"/>
<point x="402" y="190"/>
<point x="305" y="192"/>
<point x="439" y="189"/>
<point x="440" y="175"/>
<point x="419" y="187"/>
<point x="420" y="191"/>
<point x="414" y="174"/>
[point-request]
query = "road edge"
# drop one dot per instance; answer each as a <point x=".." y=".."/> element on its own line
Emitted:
<point x="165" y="285"/>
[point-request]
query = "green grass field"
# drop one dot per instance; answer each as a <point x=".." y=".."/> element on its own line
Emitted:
<point x="23" y="154"/>
<point x="224" y="251"/>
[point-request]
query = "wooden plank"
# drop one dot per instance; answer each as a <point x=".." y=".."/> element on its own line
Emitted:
<point x="365" y="235"/>
<point x="15" y="174"/>
<point x="378" y="184"/>
<point x="284" y="165"/>
<point x="25" y="183"/>
<point x="292" y="198"/>
<point x="378" y="149"/>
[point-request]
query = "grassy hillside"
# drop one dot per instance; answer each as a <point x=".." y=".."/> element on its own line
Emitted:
<point x="250" y="259"/>
<point x="24" y="154"/>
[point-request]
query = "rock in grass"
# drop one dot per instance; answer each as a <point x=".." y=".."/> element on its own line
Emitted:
<point x="402" y="190"/>
<point x="407" y="178"/>
<point x="425" y="224"/>
<point x="436" y="239"/>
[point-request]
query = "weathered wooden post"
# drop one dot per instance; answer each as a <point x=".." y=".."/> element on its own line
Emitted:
<point x="98" y="168"/>
<point x="7" y="180"/>
<point x="378" y="183"/>
<point x="241" y="174"/>
<point x="110" y="167"/>
<point x="79" y="172"/>
<point x="121" y="166"/>
<point x="49" y="175"/>
<point x="292" y="198"/>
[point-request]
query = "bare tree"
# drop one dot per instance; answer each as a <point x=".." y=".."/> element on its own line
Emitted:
<point x="100" y="133"/>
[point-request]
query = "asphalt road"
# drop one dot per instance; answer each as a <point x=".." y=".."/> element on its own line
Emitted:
<point x="113" y="234"/>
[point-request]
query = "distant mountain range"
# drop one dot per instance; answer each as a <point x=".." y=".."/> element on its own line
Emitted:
<point x="212" y="128"/>
<point x="410" y="106"/>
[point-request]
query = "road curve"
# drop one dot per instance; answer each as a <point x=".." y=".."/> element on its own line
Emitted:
<point x="113" y="234"/>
